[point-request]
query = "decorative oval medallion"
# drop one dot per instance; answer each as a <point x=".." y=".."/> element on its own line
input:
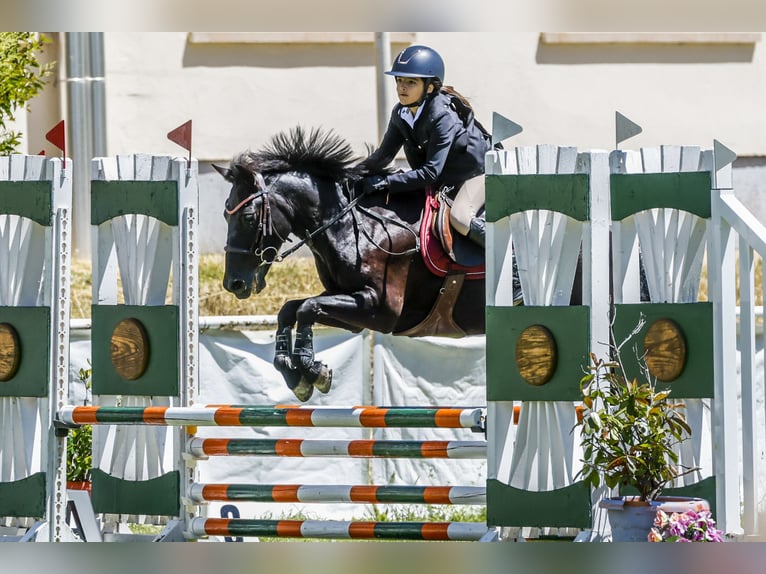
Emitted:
<point x="130" y="349"/>
<point x="665" y="348"/>
<point x="536" y="355"/>
<point x="10" y="352"/>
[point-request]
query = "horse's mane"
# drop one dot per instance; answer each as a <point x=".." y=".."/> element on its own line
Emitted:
<point x="318" y="152"/>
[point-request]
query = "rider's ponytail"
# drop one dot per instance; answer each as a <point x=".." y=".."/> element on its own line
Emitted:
<point x="450" y="91"/>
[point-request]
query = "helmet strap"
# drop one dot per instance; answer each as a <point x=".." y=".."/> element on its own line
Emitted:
<point x="425" y="96"/>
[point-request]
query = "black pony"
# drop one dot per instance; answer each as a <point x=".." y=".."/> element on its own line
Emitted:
<point x="365" y="249"/>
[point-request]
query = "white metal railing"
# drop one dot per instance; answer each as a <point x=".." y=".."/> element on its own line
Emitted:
<point x="732" y="221"/>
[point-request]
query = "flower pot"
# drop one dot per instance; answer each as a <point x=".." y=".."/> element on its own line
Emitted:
<point x="79" y="485"/>
<point x="631" y="519"/>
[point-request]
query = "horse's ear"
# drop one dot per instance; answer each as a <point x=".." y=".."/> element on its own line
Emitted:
<point x="225" y="172"/>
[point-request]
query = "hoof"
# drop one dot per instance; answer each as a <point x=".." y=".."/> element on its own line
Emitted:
<point x="292" y="378"/>
<point x="303" y="390"/>
<point x="324" y="380"/>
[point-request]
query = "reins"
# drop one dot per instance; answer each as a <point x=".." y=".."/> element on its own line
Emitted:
<point x="264" y="219"/>
<point x="380" y="219"/>
<point x="318" y="230"/>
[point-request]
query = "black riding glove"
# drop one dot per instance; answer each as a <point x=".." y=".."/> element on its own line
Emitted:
<point x="374" y="183"/>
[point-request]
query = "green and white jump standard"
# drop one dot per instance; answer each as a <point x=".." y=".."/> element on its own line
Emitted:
<point x="144" y="218"/>
<point x="661" y="207"/>
<point x="653" y="207"/>
<point x="542" y="210"/>
<point x="35" y="253"/>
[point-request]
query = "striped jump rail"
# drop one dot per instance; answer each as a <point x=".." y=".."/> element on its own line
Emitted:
<point x="335" y="529"/>
<point x="277" y="416"/>
<point x="329" y="493"/>
<point x="204" y="447"/>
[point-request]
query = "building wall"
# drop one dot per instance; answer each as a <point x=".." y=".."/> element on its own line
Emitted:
<point x="566" y="93"/>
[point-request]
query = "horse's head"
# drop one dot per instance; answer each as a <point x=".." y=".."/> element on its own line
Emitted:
<point x="256" y="230"/>
<point x="304" y="168"/>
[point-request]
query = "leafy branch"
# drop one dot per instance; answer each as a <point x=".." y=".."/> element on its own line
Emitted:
<point x="22" y="76"/>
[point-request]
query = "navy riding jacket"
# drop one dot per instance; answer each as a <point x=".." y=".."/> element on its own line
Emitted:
<point x="439" y="149"/>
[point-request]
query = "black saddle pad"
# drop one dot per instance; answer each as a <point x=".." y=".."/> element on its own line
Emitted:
<point x="466" y="252"/>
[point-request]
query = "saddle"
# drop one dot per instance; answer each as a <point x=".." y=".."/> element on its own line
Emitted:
<point x="443" y="251"/>
<point x="466" y="263"/>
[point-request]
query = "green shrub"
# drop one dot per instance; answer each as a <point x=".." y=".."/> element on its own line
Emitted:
<point x="79" y="446"/>
<point x="22" y="76"/>
<point x="629" y="428"/>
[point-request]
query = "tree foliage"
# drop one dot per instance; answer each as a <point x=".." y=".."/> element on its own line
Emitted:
<point x="79" y="446"/>
<point x="22" y="76"/>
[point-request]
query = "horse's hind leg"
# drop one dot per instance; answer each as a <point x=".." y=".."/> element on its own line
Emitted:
<point x="283" y="362"/>
<point x="314" y="372"/>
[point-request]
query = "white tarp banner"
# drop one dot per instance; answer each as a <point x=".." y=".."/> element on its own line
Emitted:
<point x="236" y="368"/>
<point x="429" y="371"/>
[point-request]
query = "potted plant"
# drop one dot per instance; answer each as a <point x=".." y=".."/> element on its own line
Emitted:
<point x="79" y="448"/>
<point x="629" y="431"/>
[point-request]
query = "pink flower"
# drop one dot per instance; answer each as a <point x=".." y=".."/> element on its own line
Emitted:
<point x="676" y="528"/>
<point x="714" y="535"/>
<point x="654" y="534"/>
<point x="697" y="535"/>
<point x="661" y="519"/>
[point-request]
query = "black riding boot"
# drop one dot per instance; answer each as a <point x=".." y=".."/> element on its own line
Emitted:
<point x="477" y="231"/>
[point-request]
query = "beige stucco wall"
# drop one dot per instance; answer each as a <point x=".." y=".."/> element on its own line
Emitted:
<point x="239" y="94"/>
<point x="236" y="95"/>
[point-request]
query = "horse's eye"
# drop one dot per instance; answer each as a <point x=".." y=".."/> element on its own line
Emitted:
<point x="249" y="217"/>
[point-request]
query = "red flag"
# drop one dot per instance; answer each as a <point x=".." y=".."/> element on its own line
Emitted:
<point x="57" y="136"/>
<point x="182" y="136"/>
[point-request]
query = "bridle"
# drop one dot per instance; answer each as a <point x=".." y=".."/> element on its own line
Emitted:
<point x="266" y="228"/>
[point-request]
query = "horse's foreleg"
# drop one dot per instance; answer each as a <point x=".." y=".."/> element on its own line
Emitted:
<point x="283" y="362"/>
<point x="314" y="372"/>
<point x="283" y="352"/>
<point x="350" y="311"/>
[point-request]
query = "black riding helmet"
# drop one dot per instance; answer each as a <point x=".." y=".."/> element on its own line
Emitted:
<point x="419" y="62"/>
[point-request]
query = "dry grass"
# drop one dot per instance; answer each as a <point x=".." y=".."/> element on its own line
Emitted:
<point x="294" y="278"/>
<point x="81" y="286"/>
<point x="758" y="281"/>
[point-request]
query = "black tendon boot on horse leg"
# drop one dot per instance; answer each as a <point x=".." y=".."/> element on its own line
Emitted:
<point x="283" y="362"/>
<point x="314" y="372"/>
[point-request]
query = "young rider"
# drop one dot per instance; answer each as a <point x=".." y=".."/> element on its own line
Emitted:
<point x="444" y="151"/>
